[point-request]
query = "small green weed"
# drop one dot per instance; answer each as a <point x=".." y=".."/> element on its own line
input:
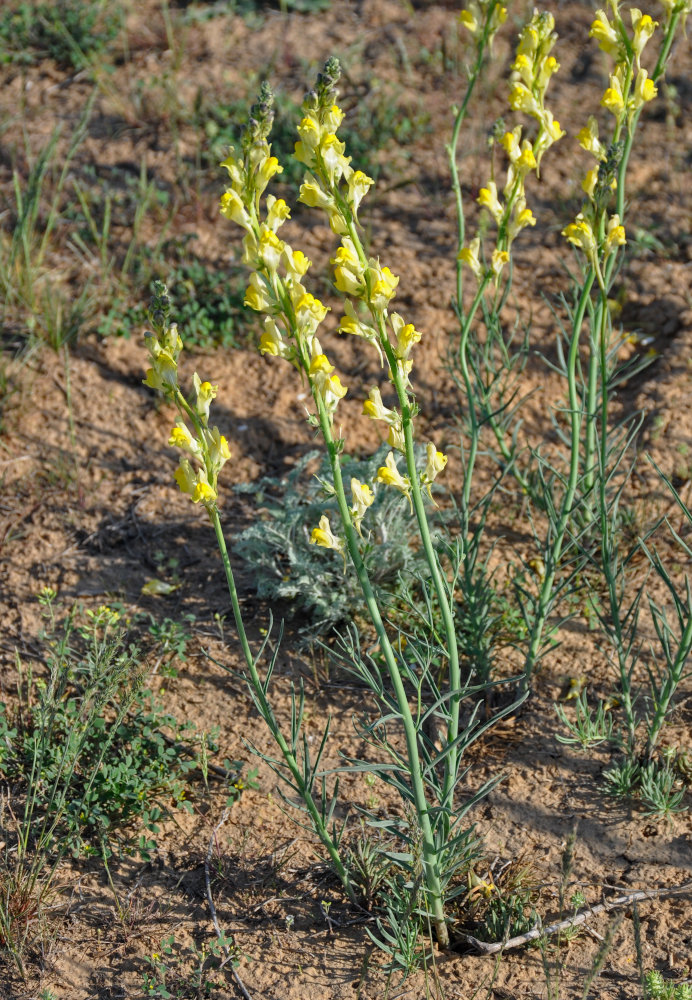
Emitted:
<point x="188" y="973"/>
<point x="71" y="32"/>
<point x="656" y="988"/>
<point x="210" y="303"/>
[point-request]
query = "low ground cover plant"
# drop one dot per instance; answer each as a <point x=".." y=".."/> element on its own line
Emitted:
<point x="427" y="695"/>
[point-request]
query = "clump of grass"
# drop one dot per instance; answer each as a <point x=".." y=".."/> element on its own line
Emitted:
<point x="72" y="32"/>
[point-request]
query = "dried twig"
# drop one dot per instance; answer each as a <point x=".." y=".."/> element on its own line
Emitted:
<point x="212" y="909"/>
<point x="493" y="947"/>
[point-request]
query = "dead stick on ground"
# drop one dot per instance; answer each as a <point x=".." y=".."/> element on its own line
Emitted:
<point x="212" y="909"/>
<point x="493" y="947"/>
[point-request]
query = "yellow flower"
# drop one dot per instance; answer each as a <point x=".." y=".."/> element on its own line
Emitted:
<point x="273" y="343"/>
<point x="390" y="476"/>
<point x="613" y="99"/>
<point x="362" y="497"/>
<point x="358" y="186"/>
<point x="232" y="207"/>
<point x="435" y="463"/>
<point x="406" y="336"/>
<point x="499" y="259"/>
<point x="204" y="493"/>
<point x="644" y="90"/>
<point x="605" y="34"/>
<point x="295" y="262"/>
<point x="277" y="212"/>
<point x="487" y="197"/>
<point x="468" y="19"/>
<point x="469" y="255"/>
<point x="521" y="99"/>
<point x="182" y="438"/>
<point x="309" y="309"/>
<point x="581" y="235"/>
<point x="256" y="296"/>
<point x="205" y="392"/>
<point x="381" y="285"/>
<point x="270" y="249"/>
<point x="644" y="27"/>
<point x="324" y="536"/>
<point x="589" y="182"/>
<point x="588" y="139"/>
<point x="615" y="235"/>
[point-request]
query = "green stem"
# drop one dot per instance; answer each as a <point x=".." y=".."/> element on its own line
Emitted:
<point x="431" y="861"/>
<point x="545" y="596"/>
<point x="268" y="715"/>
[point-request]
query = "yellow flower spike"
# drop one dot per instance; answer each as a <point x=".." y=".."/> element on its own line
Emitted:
<point x="390" y="476"/>
<point x="487" y="197"/>
<point x="362" y="497"/>
<point x="320" y="365"/>
<point x="324" y="536"/>
<point x="194" y="484"/>
<point x="469" y="256"/>
<point x="615" y="235"/>
<point x="204" y="393"/>
<point x="644" y="90"/>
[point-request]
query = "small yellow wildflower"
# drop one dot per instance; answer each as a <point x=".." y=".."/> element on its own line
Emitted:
<point x="324" y="536"/>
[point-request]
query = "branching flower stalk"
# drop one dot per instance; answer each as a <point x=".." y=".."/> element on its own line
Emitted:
<point x="599" y="235"/>
<point x="205" y="451"/>
<point x="292" y="317"/>
<point x="532" y="71"/>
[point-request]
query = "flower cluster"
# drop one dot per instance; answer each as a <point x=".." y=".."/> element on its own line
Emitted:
<point x="276" y="287"/>
<point x="626" y="93"/>
<point x="292" y="314"/>
<point x="204" y="449"/>
<point x="532" y="71"/>
<point x="596" y="233"/>
<point x="481" y="16"/>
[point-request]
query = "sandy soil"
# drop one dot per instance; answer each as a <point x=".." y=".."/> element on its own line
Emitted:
<point x="89" y="519"/>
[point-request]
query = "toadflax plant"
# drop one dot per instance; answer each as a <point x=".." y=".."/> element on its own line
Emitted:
<point x="416" y="729"/>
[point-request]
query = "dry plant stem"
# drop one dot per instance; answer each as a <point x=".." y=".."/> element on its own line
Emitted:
<point x="212" y="908"/>
<point x="536" y="933"/>
<point x="260" y="693"/>
<point x="430" y="858"/>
